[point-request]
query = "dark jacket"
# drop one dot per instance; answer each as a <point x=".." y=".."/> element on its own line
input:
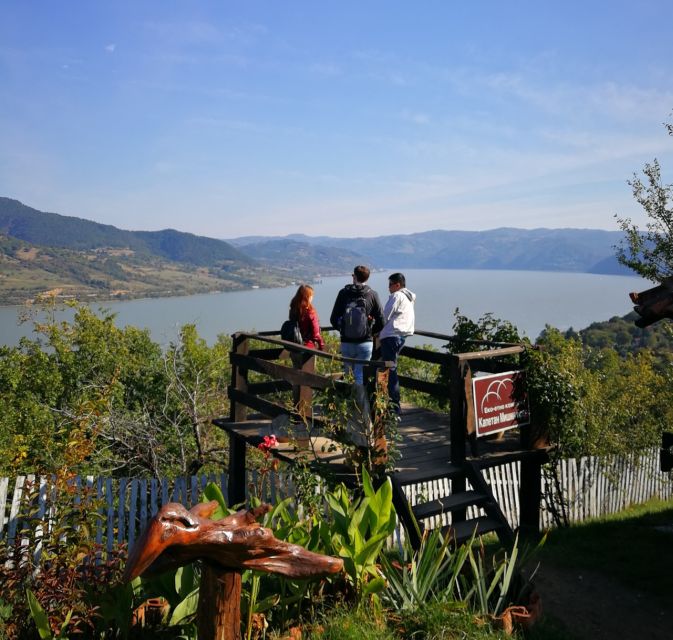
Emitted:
<point x="372" y="305"/>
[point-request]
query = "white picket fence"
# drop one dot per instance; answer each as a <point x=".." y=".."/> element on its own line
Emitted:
<point x="590" y="487"/>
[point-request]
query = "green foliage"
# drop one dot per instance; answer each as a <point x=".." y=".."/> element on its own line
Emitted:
<point x="359" y="531"/>
<point x="365" y="426"/>
<point x="139" y="409"/>
<point x="467" y="333"/>
<point x="591" y="401"/>
<point x="425" y="371"/>
<point x="59" y="589"/>
<point x="346" y="624"/>
<point x="625" y="338"/>
<point x="429" y="574"/>
<point x="649" y="252"/>
<point x="42" y="621"/>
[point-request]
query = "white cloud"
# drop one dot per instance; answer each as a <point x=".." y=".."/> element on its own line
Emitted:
<point x="416" y="117"/>
<point x="326" y="69"/>
<point x="110" y="48"/>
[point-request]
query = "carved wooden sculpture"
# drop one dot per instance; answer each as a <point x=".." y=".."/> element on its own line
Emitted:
<point x="176" y="536"/>
<point x="654" y="304"/>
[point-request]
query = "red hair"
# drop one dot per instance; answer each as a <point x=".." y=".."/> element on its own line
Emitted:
<point x="301" y="303"/>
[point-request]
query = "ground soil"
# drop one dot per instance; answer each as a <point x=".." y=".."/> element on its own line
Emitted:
<point x="593" y="607"/>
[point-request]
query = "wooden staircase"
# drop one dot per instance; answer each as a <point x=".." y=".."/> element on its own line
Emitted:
<point x="417" y="518"/>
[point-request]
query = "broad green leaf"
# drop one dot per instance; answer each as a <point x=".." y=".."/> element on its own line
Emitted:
<point x="39" y="616"/>
<point x="185" y="579"/>
<point x="373" y="586"/>
<point x="185" y="609"/>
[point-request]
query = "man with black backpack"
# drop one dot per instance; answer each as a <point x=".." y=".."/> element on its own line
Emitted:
<point x="358" y="316"/>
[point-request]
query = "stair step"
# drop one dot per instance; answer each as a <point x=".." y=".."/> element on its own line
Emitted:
<point x="435" y="472"/>
<point x="462" y="531"/>
<point x="448" y="503"/>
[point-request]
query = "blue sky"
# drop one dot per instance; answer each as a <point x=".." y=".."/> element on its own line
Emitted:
<point x="344" y="118"/>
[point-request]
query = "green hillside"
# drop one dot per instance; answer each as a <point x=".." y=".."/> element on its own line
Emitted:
<point x="71" y="257"/>
<point x="53" y="230"/>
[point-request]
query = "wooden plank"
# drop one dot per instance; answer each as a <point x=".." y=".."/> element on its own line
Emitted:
<point x="270" y="386"/>
<point x="109" y="498"/>
<point x="294" y="376"/>
<point x="515" y="468"/>
<point x="431" y="388"/>
<point x="40" y="526"/>
<point x="180" y="491"/>
<point x="101" y="511"/>
<point x="248" y="400"/>
<point x="165" y="499"/>
<point x="266" y="354"/>
<point x="154" y="495"/>
<point x="493" y="353"/>
<point x="121" y="511"/>
<point x="236" y="472"/>
<point x="14" y="509"/>
<point x="4" y="485"/>
<point x="142" y="490"/>
<point x="194" y="491"/>
<point x="133" y="513"/>
<point x="434" y="357"/>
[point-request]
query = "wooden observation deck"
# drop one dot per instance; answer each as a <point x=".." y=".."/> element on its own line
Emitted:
<point x="273" y="381"/>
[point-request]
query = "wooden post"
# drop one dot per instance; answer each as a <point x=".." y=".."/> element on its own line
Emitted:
<point x="458" y="427"/>
<point x="530" y="486"/>
<point x="218" y="614"/>
<point x="302" y="395"/>
<point x="236" y="484"/>
<point x="239" y="379"/>
<point x="457" y="415"/>
<point x="238" y="412"/>
<point x="530" y="495"/>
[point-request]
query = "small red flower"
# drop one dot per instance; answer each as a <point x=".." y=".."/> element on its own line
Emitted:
<point x="268" y="443"/>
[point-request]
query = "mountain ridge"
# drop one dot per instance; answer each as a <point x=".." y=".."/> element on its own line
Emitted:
<point x="42" y="251"/>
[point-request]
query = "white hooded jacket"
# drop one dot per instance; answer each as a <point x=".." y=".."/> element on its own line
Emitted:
<point x="398" y="314"/>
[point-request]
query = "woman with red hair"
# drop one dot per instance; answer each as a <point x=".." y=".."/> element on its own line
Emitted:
<point x="302" y="309"/>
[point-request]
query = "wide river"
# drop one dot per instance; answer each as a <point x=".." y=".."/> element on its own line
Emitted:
<point x="528" y="299"/>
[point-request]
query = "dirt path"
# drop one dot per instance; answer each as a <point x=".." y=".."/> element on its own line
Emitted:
<point x="595" y="608"/>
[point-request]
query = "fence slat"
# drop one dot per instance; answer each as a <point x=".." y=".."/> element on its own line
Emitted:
<point x="133" y="513"/>
<point x="591" y="487"/>
<point x="14" y="509"/>
<point x="4" y="485"/>
<point x="109" y="500"/>
<point x="142" y="489"/>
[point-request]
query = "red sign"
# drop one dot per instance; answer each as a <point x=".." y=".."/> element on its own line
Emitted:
<point x="500" y="402"/>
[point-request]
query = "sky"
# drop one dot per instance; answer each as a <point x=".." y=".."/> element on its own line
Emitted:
<point x="349" y="118"/>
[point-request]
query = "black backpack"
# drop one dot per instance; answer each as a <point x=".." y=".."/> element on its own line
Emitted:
<point x="355" y="321"/>
<point x="290" y="332"/>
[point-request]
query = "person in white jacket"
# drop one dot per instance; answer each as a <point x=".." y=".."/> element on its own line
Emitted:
<point x="399" y="317"/>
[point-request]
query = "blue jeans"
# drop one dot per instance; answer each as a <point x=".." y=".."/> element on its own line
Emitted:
<point x="359" y="350"/>
<point x="390" y="349"/>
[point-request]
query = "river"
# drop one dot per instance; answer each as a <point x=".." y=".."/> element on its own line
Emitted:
<point x="528" y="299"/>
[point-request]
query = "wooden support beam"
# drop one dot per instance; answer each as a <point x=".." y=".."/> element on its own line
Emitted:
<point x="236" y="484"/>
<point x="218" y="614"/>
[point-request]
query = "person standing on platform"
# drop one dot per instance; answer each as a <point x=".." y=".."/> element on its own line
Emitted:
<point x="303" y="311"/>
<point x="357" y="315"/>
<point x="399" y="319"/>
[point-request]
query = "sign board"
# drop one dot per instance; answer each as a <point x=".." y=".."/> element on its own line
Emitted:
<point x="500" y="401"/>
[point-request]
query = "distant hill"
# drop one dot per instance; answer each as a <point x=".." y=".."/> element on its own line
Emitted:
<point x="579" y="250"/>
<point x="46" y="252"/>
<point x="622" y="335"/>
<point x="41" y="251"/>
<point x="53" y="230"/>
<point x="285" y="254"/>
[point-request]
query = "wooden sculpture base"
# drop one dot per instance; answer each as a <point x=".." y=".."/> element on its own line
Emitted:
<point x="219" y="612"/>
